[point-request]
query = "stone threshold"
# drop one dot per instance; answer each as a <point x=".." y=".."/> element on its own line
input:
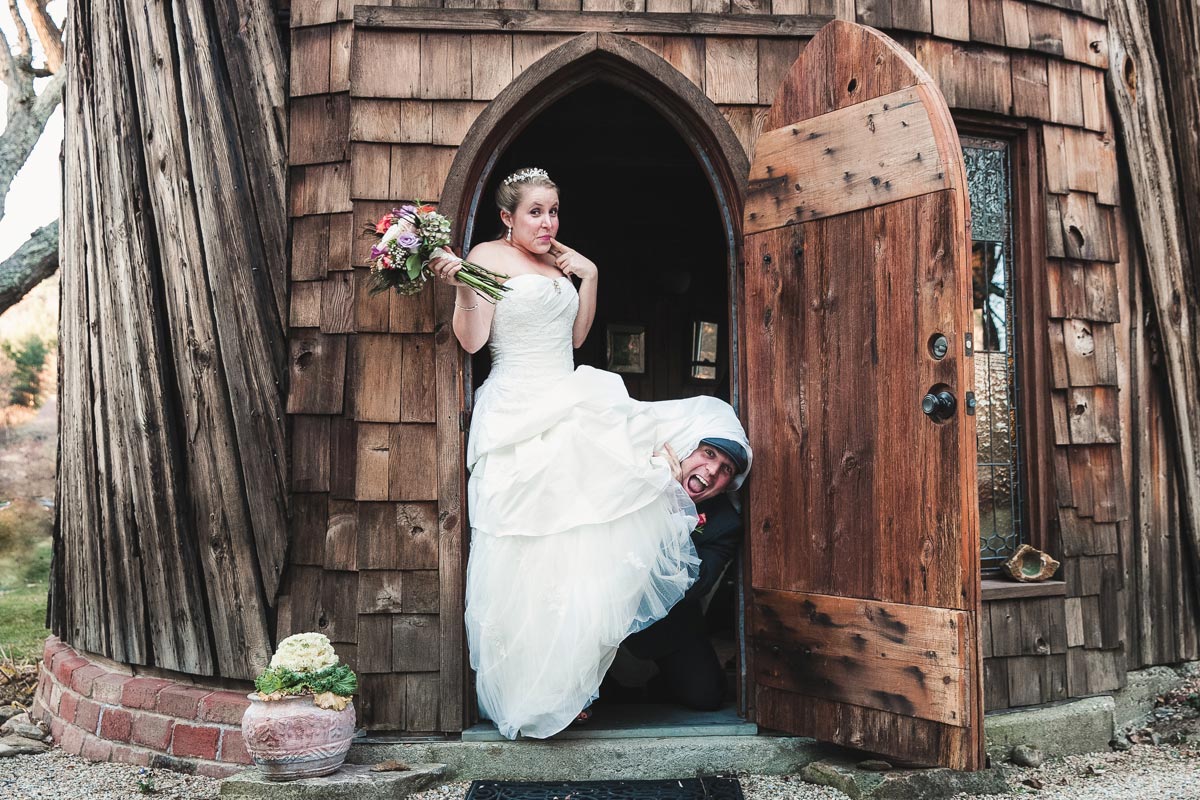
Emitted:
<point x="639" y="721"/>
<point x="600" y="758"/>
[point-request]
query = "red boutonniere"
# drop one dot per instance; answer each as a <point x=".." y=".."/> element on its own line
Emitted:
<point x="700" y="520"/>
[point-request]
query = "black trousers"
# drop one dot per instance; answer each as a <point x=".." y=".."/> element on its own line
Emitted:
<point x="691" y="676"/>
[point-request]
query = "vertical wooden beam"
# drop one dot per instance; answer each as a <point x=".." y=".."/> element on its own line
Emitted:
<point x="1137" y="88"/>
<point x="1176" y="28"/>
<point x="452" y="522"/>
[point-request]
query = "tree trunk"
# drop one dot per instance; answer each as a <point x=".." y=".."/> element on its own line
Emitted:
<point x="1136" y="84"/>
<point x="172" y="527"/>
<point x="1175" y="25"/>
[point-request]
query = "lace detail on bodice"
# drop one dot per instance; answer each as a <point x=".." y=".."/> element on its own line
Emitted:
<point x="531" y="331"/>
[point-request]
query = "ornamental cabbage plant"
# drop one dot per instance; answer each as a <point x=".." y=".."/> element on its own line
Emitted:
<point x="306" y="664"/>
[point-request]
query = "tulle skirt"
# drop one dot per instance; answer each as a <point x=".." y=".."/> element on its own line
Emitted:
<point x="579" y="538"/>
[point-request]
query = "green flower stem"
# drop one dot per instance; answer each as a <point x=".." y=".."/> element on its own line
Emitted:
<point x="476" y="267"/>
<point x="483" y="281"/>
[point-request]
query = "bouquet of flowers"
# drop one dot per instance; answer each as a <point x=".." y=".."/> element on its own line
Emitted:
<point x="409" y="238"/>
<point x="306" y="664"/>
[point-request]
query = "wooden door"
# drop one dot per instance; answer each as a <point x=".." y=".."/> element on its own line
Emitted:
<point x="863" y="520"/>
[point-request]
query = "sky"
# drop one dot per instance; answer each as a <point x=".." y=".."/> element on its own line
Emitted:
<point x="33" y="200"/>
<point x="34" y="197"/>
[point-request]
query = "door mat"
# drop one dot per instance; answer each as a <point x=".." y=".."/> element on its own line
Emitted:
<point x="687" y="789"/>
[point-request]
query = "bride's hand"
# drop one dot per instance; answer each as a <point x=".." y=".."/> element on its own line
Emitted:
<point x="672" y="460"/>
<point x="572" y="264"/>
<point x="446" y="267"/>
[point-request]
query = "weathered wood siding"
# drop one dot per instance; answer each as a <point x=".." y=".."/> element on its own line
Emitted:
<point x="375" y="398"/>
<point x="1129" y="600"/>
<point x="171" y="527"/>
<point x="373" y="538"/>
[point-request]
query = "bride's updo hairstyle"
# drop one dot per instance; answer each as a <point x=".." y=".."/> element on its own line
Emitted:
<point x="508" y="194"/>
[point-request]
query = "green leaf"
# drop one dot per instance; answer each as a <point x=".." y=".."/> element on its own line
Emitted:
<point x="338" y="679"/>
<point x="268" y="682"/>
<point x="413" y="265"/>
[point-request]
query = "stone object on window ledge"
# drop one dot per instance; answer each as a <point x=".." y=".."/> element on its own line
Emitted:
<point x="1030" y="565"/>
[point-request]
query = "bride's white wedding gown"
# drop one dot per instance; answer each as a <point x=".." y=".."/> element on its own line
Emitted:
<point x="578" y="537"/>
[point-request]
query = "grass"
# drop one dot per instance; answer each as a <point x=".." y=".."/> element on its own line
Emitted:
<point x="28" y="441"/>
<point x="22" y="622"/>
<point x="24" y="579"/>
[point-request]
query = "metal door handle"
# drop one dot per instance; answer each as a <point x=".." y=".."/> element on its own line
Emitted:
<point x="939" y="404"/>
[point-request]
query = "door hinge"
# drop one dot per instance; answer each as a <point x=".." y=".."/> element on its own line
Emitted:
<point x="462" y="422"/>
<point x="969" y="344"/>
<point x="971" y="402"/>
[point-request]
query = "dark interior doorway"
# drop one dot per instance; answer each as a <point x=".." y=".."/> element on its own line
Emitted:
<point x="635" y="199"/>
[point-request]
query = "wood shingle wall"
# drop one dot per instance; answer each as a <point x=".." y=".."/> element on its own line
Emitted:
<point x="375" y="402"/>
<point x="375" y="398"/>
<point x="363" y="399"/>
<point x="1129" y="599"/>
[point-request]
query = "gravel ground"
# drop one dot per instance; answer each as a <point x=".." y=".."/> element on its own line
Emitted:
<point x="58" y="776"/>
<point x="1143" y="773"/>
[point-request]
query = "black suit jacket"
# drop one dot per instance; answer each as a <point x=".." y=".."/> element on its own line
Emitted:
<point x="716" y="545"/>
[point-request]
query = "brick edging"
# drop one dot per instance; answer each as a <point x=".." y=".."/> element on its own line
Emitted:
<point x="110" y="716"/>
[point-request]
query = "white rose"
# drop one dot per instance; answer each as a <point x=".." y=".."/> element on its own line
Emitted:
<point x="403" y="226"/>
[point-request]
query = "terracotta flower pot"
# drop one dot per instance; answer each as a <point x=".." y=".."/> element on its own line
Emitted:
<point x="294" y="738"/>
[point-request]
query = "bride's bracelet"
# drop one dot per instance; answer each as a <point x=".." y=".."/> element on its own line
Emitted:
<point x="467" y="308"/>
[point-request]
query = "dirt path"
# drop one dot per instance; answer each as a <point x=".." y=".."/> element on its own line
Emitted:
<point x="27" y="456"/>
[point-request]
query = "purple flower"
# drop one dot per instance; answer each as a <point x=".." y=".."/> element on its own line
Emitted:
<point x="408" y="241"/>
<point x="376" y="252"/>
<point x="409" y="210"/>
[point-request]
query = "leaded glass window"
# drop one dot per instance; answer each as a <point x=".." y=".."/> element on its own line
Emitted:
<point x="989" y="181"/>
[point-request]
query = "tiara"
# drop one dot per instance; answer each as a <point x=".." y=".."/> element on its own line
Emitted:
<point x="526" y="175"/>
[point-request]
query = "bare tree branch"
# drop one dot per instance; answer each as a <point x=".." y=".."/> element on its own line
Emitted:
<point x="48" y="33"/>
<point x="33" y="262"/>
<point x="10" y="73"/>
<point x="23" y="41"/>
<point x="27" y="114"/>
<point x="23" y="131"/>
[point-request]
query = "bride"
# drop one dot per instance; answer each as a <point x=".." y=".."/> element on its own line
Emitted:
<point x="580" y="532"/>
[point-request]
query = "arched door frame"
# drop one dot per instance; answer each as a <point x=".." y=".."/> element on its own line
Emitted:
<point x="613" y="59"/>
<point x="608" y="58"/>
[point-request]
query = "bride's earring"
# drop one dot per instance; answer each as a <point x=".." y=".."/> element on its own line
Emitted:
<point x="509" y="236"/>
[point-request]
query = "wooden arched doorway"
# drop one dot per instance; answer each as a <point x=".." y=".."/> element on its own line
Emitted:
<point x="682" y="134"/>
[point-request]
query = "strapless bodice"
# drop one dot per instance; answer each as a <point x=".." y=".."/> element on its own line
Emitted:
<point x="532" y="328"/>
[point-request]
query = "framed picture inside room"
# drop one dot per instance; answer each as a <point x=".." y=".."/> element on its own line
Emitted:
<point x="705" y="349"/>
<point x="626" y="348"/>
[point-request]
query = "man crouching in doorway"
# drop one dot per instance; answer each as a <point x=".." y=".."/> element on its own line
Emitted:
<point x="690" y="672"/>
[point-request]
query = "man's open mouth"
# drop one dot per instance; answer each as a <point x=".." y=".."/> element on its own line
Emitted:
<point x="697" y="484"/>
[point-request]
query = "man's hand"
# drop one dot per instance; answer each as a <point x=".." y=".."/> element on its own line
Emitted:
<point x="672" y="461"/>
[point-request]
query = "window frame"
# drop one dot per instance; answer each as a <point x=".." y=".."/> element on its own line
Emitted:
<point x="1036" y="439"/>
